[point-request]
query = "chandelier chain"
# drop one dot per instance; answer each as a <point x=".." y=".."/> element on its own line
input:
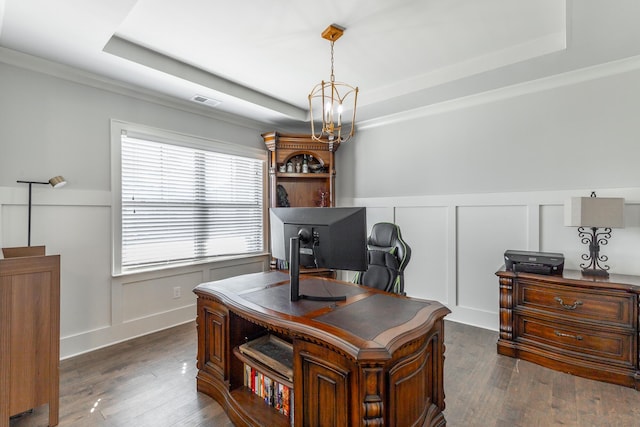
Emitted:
<point x="333" y="78"/>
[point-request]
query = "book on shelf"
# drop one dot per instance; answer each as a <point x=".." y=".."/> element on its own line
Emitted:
<point x="275" y="394"/>
<point x="286" y="403"/>
<point x="271" y="351"/>
<point x="282" y="264"/>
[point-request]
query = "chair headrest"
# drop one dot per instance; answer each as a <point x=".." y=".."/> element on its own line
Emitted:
<point x="384" y="235"/>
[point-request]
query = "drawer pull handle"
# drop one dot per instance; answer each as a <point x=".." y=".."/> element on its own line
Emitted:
<point x="576" y="337"/>
<point x="567" y="306"/>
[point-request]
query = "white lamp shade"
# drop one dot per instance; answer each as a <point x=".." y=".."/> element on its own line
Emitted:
<point x="597" y="212"/>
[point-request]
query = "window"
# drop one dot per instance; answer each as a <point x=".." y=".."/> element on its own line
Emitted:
<point x="181" y="203"/>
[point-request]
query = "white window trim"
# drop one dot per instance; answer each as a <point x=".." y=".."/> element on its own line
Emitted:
<point x="119" y="127"/>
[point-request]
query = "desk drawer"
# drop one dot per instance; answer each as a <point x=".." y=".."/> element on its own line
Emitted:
<point x="596" y="305"/>
<point x="609" y="347"/>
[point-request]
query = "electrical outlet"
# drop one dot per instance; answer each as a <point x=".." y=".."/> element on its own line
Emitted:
<point x="176" y="292"/>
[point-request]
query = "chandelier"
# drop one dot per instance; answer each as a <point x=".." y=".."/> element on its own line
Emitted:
<point x="331" y="100"/>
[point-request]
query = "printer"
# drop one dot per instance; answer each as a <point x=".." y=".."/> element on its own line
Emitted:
<point x="534" y="262"/>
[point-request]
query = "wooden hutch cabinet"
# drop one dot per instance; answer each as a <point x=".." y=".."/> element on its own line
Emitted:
<point x="313" y="185"/>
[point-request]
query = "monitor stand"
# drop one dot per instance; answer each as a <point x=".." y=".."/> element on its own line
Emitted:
<point x="294" y="275"/>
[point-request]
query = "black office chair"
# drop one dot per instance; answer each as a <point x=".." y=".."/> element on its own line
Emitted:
<point x="388" y="255"/>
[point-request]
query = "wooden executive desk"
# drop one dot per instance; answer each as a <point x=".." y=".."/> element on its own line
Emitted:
<point x="374" y="359"/>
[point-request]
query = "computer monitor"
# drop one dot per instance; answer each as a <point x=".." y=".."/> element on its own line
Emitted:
<point x="333" y="238"/>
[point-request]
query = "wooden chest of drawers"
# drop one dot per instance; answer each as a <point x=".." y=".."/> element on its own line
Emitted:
<point x="584" y="326"/>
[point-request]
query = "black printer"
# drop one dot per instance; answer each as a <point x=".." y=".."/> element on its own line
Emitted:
<point x="534" y="262"/>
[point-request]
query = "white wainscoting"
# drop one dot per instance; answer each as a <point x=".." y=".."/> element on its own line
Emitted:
<point x="96" y="309"/>
<point x="458" y="241"/>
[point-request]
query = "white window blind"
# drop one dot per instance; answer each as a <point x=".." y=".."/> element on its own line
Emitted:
<point x="182" y="204"/>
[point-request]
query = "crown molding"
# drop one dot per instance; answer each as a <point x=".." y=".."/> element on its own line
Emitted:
<point x="75" y="75"/>
<point x="538" y="85"/>
<point x="518" y="53"/>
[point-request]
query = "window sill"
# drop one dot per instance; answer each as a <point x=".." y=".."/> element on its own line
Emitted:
<point x="188" y="265"/>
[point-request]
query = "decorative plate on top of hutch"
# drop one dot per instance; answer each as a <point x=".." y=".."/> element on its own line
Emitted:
<point x="304" y="170"/>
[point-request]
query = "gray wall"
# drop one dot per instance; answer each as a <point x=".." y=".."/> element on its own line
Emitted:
<point x="486" y="164"/>
<point x="571" y="114"/>
<point x="583" y="134"/>
<point x="57" y="122"/>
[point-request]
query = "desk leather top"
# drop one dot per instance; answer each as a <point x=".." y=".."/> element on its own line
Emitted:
<point x="368" y="319"/>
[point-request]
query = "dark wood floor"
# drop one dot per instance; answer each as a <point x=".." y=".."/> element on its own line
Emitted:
<point x="150" y="381"/>
<point x="485" y="389"/>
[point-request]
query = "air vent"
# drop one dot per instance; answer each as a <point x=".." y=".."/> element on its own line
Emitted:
<point x="204" y="100"/>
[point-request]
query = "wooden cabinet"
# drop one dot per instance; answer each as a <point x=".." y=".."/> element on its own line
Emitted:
<point x="303" y="189"/>
<point x="29" y="335"/>
<point x="584" y="326"/>
<point x="323" y="377"/>
<point x="351" y="366"/>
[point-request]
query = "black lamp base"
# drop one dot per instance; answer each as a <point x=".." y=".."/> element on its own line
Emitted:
<point x="594" y="272"/>
<point x="595" y="265"/>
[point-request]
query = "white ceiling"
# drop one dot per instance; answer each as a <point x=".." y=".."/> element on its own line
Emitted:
<point x="262" y="57"/>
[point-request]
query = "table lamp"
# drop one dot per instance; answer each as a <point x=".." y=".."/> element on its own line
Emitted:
<point x="590" y="214"/>
<point x="55" y="182"/>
